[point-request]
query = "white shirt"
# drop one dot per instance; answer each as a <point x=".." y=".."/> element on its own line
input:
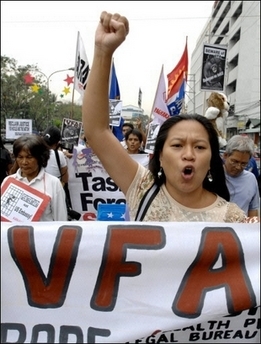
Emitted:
<point x="124" y="144"/>
<point x="52" y="167"/>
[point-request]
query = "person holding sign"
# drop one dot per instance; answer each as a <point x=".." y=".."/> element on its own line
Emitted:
<point x="185" y="171"/>
<point x="31" y="194"/>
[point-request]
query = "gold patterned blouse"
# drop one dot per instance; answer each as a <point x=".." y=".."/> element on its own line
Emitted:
<point x="164" y="208"/>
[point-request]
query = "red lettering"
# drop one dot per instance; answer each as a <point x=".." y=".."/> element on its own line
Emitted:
<point x="201" y="276"/>
<point x="89" y="217"/>
<point x="161" y="112"/>
<point x="50" y="291"/>
<point x="119" y="239"/>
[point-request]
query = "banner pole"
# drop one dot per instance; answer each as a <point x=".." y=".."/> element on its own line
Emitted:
<point x="75" y="73"/>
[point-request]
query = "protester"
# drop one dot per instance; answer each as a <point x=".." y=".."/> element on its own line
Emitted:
<point x="52" y="137"/>
<point x="144" y="136"/>
<point x="125" y="128"/>
<point x="6" y="161"/>
<point x="31" y="155"/>
<point x="186" y="165"/>
<point x="133" y="140"/>
<point x="242" y="184"/>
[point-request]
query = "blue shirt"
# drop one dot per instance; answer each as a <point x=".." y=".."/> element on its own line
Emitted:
<point x="243" y="190"/>
<point x="252" y="166"/>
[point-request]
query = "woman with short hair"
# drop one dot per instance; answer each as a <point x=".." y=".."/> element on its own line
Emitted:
<point x="31" y="155"/>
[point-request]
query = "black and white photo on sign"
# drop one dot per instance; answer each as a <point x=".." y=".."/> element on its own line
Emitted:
<point x="213" y="67"/>
<point x="71" y="131"/>
<point x="151" y="137"/>
<point x="115" y="108"/>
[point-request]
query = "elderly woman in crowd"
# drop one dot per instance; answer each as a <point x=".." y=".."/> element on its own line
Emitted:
<point x="31" y="156"/>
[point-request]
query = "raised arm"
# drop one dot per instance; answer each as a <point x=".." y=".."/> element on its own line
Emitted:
<point x="110" y="33"/>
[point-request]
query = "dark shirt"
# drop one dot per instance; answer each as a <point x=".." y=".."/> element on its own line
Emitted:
<point x="5" y="161"/>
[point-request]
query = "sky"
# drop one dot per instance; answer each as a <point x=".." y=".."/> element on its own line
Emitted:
<point x="44" y="33"/>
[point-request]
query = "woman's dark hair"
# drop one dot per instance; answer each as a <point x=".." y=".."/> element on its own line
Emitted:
<point x="135" y="132"/>
<point x="218" y="185"/>
<point x="52" y="135"/>
<point x="34" y="144"/>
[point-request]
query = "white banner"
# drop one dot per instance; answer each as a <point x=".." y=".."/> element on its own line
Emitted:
<point x="17" y="127"/>
<point x="130" y="282"/>
<point x="89" y="183"/>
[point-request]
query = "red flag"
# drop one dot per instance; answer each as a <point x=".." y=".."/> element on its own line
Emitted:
<point x="176" y="76"/>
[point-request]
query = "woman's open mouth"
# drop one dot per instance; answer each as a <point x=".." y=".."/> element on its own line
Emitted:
<point x="188" y="172"/>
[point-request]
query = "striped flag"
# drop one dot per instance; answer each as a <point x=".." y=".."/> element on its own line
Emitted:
<point x="81" y="70"/>
<point x="177" y="79"/>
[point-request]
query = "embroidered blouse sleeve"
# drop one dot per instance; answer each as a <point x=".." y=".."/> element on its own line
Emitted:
<point x="235" y="214"/>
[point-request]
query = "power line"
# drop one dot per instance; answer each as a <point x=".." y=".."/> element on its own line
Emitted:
<point x="94" y="20"/>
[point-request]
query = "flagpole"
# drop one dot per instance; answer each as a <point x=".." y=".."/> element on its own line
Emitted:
<point x="72" y="107"/>
<point x="75" y="71"/>
<point x="183" y="100"/>
<point x="161" y="71"/>
<point x="183" y="109"/>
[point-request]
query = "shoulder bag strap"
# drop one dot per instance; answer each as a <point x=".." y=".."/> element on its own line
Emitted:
<point x="58" y="161"/>
<point x="65" y="185"/>
<point x="146" y="202"/>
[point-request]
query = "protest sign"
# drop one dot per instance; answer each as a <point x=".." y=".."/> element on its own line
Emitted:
<point x="70" y="131"/>
<point x="21" y="202"/>
<point x="115" y="109"/>
<point x="18" y="127"/>
<point x="130" y="282"/>
<point x="213" y="67"/>
<point x="89" y="183"/>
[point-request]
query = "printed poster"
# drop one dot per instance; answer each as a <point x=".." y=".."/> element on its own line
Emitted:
<point x="71" y="131"/>
<point x="213" y="67"/>
<point x="115" y="108"/>
<point x="18" y="127"/>
<point x="21" y="203"/>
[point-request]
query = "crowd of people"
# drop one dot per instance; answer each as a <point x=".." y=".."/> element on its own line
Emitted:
<point x="193" y="184"/>
<point x="186" y="180"/>
<point x="185" y="169"/>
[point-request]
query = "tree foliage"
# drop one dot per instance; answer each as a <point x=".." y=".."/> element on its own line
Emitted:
<point x="19" y="101"/>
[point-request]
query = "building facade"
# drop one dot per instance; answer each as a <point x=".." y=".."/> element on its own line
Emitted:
<point x="236" y="26"/>
<point x="130" y="113"/>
